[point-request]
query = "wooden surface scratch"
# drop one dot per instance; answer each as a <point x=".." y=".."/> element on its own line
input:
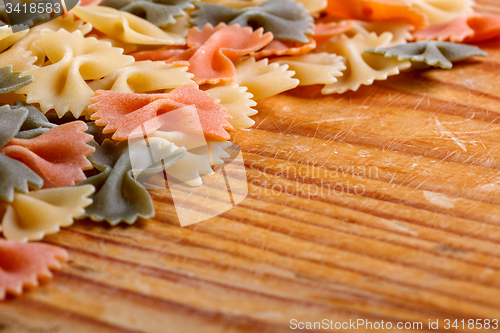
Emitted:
<point x="380" y="204"/>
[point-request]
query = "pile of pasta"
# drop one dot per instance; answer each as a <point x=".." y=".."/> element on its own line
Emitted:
<point x="74" y="89"/>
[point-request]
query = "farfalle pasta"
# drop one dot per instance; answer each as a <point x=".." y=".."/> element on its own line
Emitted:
<point x="22" y="265"/>
<point x="90" y="2"/>
<point x="179" y="28"/>
<point x="32" y="40"/>
<point x="377" y="10"/>
<point x="73" y="59"/>
<point x="161" y="13"/>
<point x="19" y="58"/>
<point x="29" y="217"/>
<point x="11" y="120"/>
<point x="235" y="3"/>
<point x="8" y="37"/>
<point x="58" y="156"/>
<point x="314" y="68"/>
<point x="25" y="53"/>
<point x="35" y="124"/>
<point x="68" y="22"/>
<point x="472" y="28"/>
<point x="430" y="53"/>
<point x="215" y="49"/>
<point x="126" y="27"/>
<point x="196" y="162"/>
<point x="238" y="103"/>
<point x="212" y="51"/>
<point x="118" y="196"/>
<point x="282" y="48"/>
<point x="14" y="175"/>
<point x="144" y="76"/>
<point x="325" y="31"/>
<point x="362" y="69"/>
<point x="400" y="31"/>
<point x="166" y="54"/>
<point x="285" y="19"/>
<point x="314" y="7"/>
<point x="263" y="79"/>
<point x="21" y="20"/>
<point x="127" y="48"/>
<point x="11" y="81"/>
<point x="123" y="113"/>
<point x="439" y="11"/>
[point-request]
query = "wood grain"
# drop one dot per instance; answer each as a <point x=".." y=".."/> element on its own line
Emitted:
<point x="381" y="204"/>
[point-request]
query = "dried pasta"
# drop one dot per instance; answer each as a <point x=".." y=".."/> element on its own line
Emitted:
<point x="430" y="53"/>
<point x="282" y="48"/>
<point x="144" y="76"/>
<point x="21" y="20"/>
<point x="263" y="79"/>
<point x="11" y="120"/>
<point x="126" y="27"/>
<point x="165" y="54"/>
<point x="58" y="156"/>
<point x="215" y="49"/>
<point x="401" y="32"/>
<point x="238" y="103"/>
<point x="26" y="54"/>
<point x="285" y="19"/>
<point x="127" y="48"/>
<point x="73" y="59"/>
<point x="21" y="265"/>
<point x="159" y="12"/>
<point x="123" y="113"/>
<point x="29" y="217"/>
<point x="8" y="37"/>
<point x="20" y="59"/>
<point x="196" y="162"/>
<point x="377" y="10"/>
<point x="212" y="51"/>
<point x="325" y="31"/>
<point x="14" y="175"/>
<point x="35" y="124"/>
<point x="97" y="134"/>
<point x="362" y="69"/>
<point x="439" y="11"/>
<point x="32" y="40"/>
<point x="90" y="2"/>
<point x="11" y="81"/>
<point x="118" y="196"/>
<point x="314" y="7"/>
<point x="235" y="3"/>
<point x="68" y="22"/>
<point x="314" y="68"/>
<point x="472" y="28"/>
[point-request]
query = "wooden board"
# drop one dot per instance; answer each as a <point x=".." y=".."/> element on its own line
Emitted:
<point x="383" y="204"/>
